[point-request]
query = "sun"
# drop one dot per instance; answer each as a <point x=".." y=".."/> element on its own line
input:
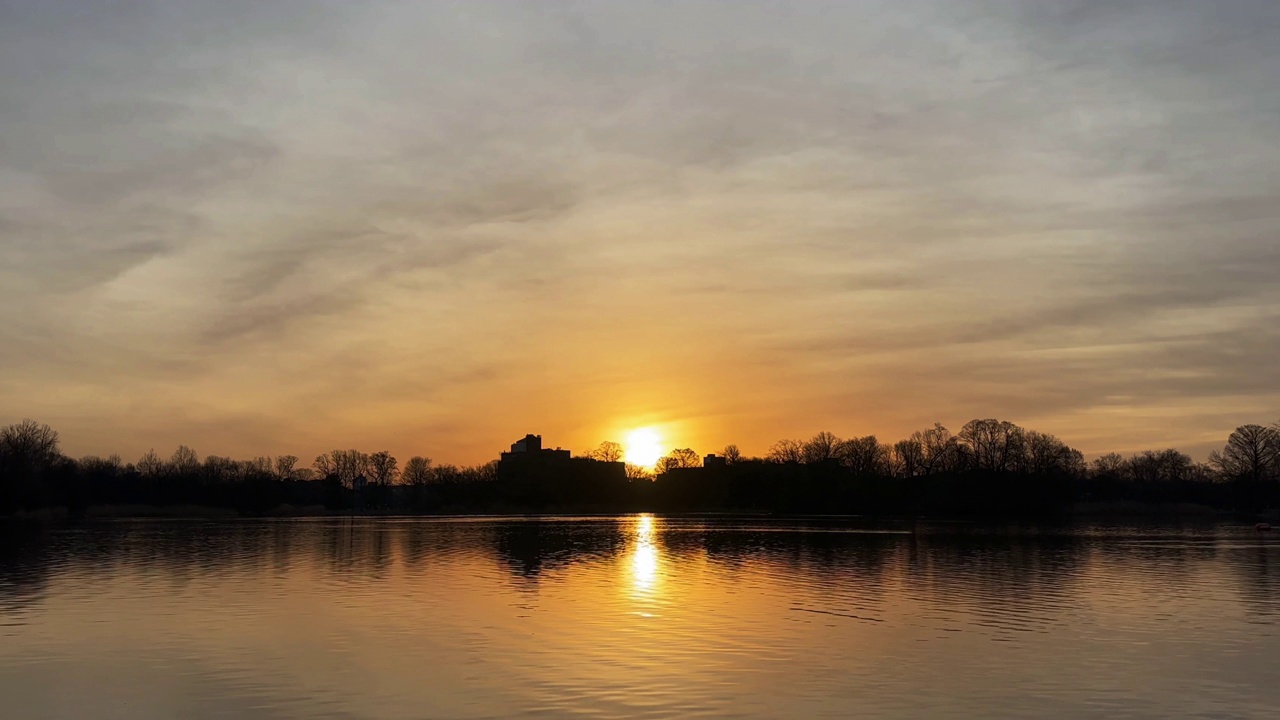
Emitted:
<point x="644" y="447"/>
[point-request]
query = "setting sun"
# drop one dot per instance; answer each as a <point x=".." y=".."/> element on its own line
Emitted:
<point x="644" y="447"/>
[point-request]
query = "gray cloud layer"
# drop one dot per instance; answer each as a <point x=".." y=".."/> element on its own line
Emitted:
<point x="289" y="225"/>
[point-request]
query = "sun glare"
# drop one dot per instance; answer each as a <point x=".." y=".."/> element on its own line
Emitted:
<point x="644" y="447"/>
<point x="644" y="562"/>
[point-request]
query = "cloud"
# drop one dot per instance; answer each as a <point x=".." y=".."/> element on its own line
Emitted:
<point x="750" y="215"/>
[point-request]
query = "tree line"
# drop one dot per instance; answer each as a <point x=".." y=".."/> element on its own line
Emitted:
<point x="988" y="466"/>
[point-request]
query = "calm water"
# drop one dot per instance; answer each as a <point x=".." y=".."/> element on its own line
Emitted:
<point x="636" y="617"/>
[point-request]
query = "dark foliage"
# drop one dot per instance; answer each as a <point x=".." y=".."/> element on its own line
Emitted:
<point x="990" y="467"/>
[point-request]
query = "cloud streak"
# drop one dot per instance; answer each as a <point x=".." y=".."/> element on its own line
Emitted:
<point x="436" y="225"/>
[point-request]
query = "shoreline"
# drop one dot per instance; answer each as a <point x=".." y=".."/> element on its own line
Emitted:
<point x="1078" y="512"/>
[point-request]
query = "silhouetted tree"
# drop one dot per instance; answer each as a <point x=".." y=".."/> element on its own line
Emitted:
<point x="29" y="443"/>
<point x="608" y="451"/>
<point x="907" y="458"/>
<point x="732" y="455"/>
<point x="150" y="465"/>
<point x="101" y="478"/>
<point x="679" y="458"/>
<point x="864" y="456"/>
<point x="993" y="445"/>
<point x="184" y="462"/>
<point x="344" y="465"/>
<point x="1111" y="465"/>
<point x="445" y="474"/>
<point x="1047" y="455"/>
<point x="1252" y="453"/>
<point x="28" y="455"/>
<point x="786" y="451"/>
<point x="286" y="466"/>
<point x="110" y="466"/>
<point x="1163" y="466"/>
<point x="638" y="472"/>
<point x="219" y="470"/>
<point x="418" y="475"/>
<point x="260" y="467"/>
<point x="485" y="473"/>
<point x="939" y="449"/>
<point x="991" y="467"/>
<point x="417" y="471"/>
<point x="821" y="448"/>
<point x="383" y="468"/>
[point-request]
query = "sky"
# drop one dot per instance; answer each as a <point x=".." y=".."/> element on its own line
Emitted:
<point x="431" y="227"/>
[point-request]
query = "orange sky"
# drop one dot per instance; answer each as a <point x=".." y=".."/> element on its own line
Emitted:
<point x="432" y="228"/>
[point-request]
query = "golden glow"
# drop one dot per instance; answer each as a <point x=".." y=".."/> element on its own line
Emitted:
<point x="643" y="448"/>
<point x="644" y="561"/>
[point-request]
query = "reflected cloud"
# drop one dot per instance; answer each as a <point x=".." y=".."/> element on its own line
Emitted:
<point x="338" y="617"/>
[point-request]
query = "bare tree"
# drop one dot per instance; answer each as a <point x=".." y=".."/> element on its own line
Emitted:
<point x="259" y="468"/>
<point x="608" y="451"/>
<point x="29" y="444"/>
<point x="1163" y="466"/>
<point x="286" y="466"/>
<point x="1045" y="454"/>
<point x="732" y="455"/>
<point x="102" y="467"/>
<point x="938" y="449"/>
<point x="786" y="451"/>
<point x="994" y="445"/>
<point x="383" y="470"/>
<point x="417" y="471"/>
<point x="223" y="470"/>
<point x="1202" y="472"/>
<point x="446" y="474"/>
<point x="487" y="472"/>
<point x="679" y="458"/>
<point x="1109" y="465"/>
<point x="27" y="450"/>
<point x="325" y="465"/>
<point x="908" y="458"/>
<point x="345" y="465"/>
<point x="820" y="448"/>
<point x="150" y="465"/>
<point x="1252" y="453"/>
<point x="864" y="456"/>
<point x="184" y="462"/>
<point x="638" y="472"/>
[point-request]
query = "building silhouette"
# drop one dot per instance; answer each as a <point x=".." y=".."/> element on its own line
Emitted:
<point x="528" y="449"/>
<point x="531" y="475"/>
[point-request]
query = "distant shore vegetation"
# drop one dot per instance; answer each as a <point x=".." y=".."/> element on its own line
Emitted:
<point x="988" y="467"/>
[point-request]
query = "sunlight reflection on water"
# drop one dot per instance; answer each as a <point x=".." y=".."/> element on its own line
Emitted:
<point x="637" y="616"/>
<point x="644" y="555"/>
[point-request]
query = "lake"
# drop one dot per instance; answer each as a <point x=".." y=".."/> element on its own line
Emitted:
<point x="635" y="617"/>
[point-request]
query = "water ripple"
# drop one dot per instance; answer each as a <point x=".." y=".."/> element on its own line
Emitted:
<point x="602" y="617"/>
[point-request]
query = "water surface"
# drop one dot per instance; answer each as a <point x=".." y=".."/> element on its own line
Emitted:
<point x="636" y="617"/>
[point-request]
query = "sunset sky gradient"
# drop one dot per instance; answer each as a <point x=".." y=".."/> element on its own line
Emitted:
<point x="283" y="227"/>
